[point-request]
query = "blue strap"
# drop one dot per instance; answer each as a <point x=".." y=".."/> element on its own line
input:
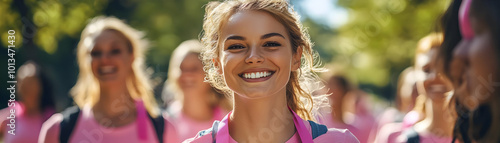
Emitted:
<point x="317" y="129"/>
<point x="215" y="129"/>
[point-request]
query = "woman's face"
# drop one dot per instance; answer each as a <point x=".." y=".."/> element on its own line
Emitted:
<point x="30" y="91"/>
<point x="256" y="55"/>
<point x="435" y="84"/>
<point x="111" y="59"/>
<point x="476" y="67"/>
<point x="192" y="75"/>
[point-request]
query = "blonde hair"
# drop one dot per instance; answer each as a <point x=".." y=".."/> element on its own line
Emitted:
<point x="429" y="42"/>
<point x="302" y="82"/>
<point x="86" y="90"/>
<point x="172" y="88"/>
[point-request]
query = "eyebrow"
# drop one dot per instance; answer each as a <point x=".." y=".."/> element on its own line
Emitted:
<point x="268" y="35"/>
<point x="271" y="35"/>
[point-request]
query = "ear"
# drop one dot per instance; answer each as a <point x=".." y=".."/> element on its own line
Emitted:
<point x="296" y="59"/>
<point x="217" y="64"/>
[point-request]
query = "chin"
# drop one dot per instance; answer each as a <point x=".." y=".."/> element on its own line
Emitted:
<point x="252" y="95"/>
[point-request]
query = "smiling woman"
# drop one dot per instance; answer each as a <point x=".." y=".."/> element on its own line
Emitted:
<point x="258" y="53"/>
<point x="112" y="91"/>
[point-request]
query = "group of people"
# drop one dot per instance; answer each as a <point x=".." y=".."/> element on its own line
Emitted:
<point x="253" y="77"/>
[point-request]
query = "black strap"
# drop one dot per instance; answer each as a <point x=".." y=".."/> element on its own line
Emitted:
<point x="70" y="115"/>
<point x="159" y="124"/>
<point x="412" y="136"/>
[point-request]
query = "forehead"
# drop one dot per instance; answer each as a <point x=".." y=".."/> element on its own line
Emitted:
<point x="427" y="57"/>
<point x="109" y="36"/>
<point x="251" y="23"/>
<point x="190" y="59"/>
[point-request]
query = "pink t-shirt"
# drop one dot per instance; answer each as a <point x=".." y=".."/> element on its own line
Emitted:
<point x="425" y="137"/>
<point x="187" y="127"/>
<point x="389" y="133"/>
<point x="26" y="128"/>
<point x="88" y="130"/>
<point x="327" y="119"/>
<point x="302" y="126"/>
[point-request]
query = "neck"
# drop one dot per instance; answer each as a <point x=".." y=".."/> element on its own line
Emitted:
<point x="115" y="105"/>
<point x="196" y="108"/>
<point x="261" y="120"/>
<point x="439" y="120"/>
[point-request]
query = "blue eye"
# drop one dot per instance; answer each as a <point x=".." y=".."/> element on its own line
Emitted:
<point x="235" y="47"/>
<point x="272" y="44"/>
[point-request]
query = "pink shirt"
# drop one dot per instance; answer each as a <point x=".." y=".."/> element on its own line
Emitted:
<point x="425" y="137"/>
<point x="87" y="129"/>
<point x="303" y="134"/>
<point x="188" y="127"/>
<point x="27" y="128"/>
<point x="389" y="133"/>
<point x="327" y="119"/>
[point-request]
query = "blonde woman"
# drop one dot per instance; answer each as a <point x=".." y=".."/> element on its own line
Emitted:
<point x="253" y="52"/>
<point x="112" y="91"/>
<point x="197" y="105"/>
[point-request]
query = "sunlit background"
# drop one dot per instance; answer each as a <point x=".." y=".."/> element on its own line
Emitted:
<point x="369" y="41"/>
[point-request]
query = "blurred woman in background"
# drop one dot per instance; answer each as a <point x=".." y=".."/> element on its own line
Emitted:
<point x="473" y="65"/>
<point x="112" y="91"/>
<point x="338" y="88"/>
<point x="197" y="105"/>
<point x="437" y="126"/>
<point x="35" y="105"/>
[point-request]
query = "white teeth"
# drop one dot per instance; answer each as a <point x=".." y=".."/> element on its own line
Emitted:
<point x="107" y="69"/>
<point x="256" y="75"/>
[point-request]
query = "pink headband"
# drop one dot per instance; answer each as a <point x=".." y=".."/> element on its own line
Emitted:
<point x="464" y="22"/>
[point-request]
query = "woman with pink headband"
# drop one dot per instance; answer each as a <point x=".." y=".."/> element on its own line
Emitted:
<point x="259" y="53"/>
<point x="473" y="67"/>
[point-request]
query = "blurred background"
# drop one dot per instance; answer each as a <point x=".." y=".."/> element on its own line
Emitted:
<point x="369" y="41"/>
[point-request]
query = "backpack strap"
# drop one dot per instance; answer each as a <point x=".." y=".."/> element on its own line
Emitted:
<point x="412" y="136"/>
<point x="317" y="129"/>
<point x="70" y="116"/>
<point x="215" y="129"/>
<point x="159" y="125"/>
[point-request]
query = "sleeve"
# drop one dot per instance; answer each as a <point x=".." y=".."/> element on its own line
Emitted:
<point x="349" y="137"/>
<point x="50" y="129"/>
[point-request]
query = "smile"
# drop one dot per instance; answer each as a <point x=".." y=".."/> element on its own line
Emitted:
<point x="256" y="76"/>
<point x="107" y="70"/>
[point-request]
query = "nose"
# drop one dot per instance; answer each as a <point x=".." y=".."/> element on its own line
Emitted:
<point x="254" y="56"/>
<point x="103" y="58"/>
